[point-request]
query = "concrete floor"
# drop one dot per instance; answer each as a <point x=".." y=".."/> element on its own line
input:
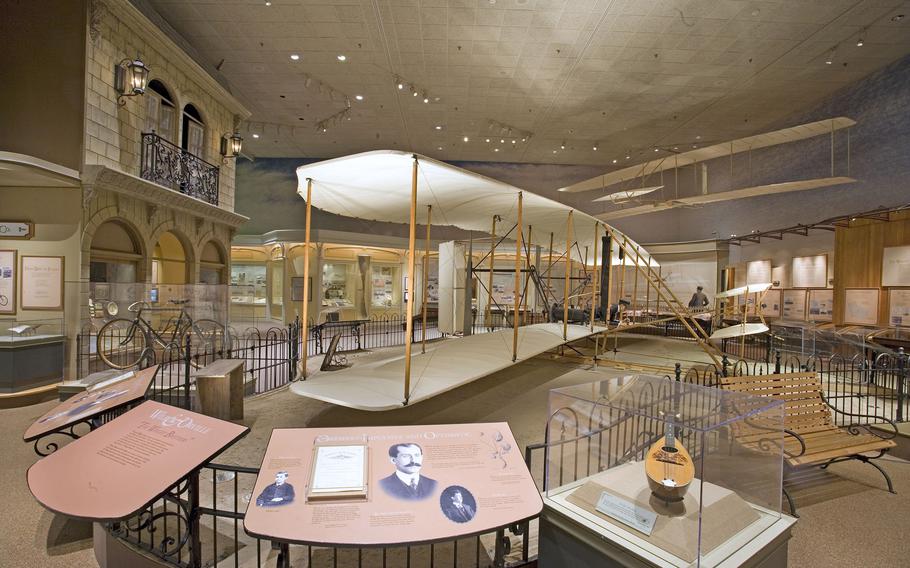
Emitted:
<point x="848" y="519"/>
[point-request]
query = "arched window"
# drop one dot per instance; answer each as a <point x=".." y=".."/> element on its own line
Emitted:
<point x="159" y="110"/>
<point x="115" y="254"/>
<point x="169" y="261"/>
<point x="211" y="265"/>
<point x="193" y="138"/>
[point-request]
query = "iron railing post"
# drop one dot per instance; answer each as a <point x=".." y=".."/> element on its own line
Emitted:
<point x="725" y="363"/>
<point x="901" y="397"/>
<point x="195" y="560"/>
<point x="188" y="403"/>
<point x="777" y="361"/>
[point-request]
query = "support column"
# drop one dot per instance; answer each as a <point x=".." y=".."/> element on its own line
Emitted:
<point x="426" y="281"/>
<point x="304" y="303"/>
<point x="517" y="282"/>
<point x="565" y="293"/>
<point x="488" y="321"/>
<point x="409" y="323"/>
<point x="594" y="283"/>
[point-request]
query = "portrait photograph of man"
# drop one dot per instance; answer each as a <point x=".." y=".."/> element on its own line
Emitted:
<point x="406" y="481"/>
<point x="278" y="493"/>
<point x="457" y="504"/>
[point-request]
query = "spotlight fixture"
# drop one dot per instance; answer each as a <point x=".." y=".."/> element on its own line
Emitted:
<point x="130" y="79"/>
<point x="426" y="99"/>
<point x="698" y="137"/>
<point x="614" y="160"/>
<point x="554" y="151"/>
<point x="496" y="149"/>
<point x="439" y="147"/>
<point x="342" y="57"/>
<point x="487" y="140"/>
<point x="595" y="146"/>
<point x="513" y="141"/>
<point x="255" y="135"/>
<point x="524" y="139"/>
<point x="414" y="93"/>
<point x="267" y="3"/>
<point x="358" y="97"/>
<point x="627" y="157"/>
<point x="438" y="127"/>
<point x="860" y="42"/>
<point x="897" y="18"/>
<point x="562" y="146"/>
<point x="465" y="138"/>
<point x="400" y="86"/>
<point x="657" y="149"/>
<point x="502" y="140"/>
<point x="295" y="57"/>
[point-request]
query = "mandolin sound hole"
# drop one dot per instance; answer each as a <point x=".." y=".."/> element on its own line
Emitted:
<point x="669" y="449"/>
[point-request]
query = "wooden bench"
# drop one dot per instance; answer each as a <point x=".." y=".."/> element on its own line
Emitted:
<point x="812" y="437"/>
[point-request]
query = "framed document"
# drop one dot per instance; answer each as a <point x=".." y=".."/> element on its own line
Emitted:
<point x="339" y="472"/>
<point x="771" y="304"/>
<point x="7" y="282"/>
<point x="758" y="271"/>
<point x="794" y="304"/>
<point x="821" y="304"/>
<point x="42" y="282"/>
<point x="297" y="289"/>
<point x="896" y="266"/>
<point x="861" y="306"/>
<point x="810" y="271"/>
<point x="899" y="307"/>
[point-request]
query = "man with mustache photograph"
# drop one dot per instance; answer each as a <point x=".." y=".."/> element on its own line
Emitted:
<point x="406" y="482"/>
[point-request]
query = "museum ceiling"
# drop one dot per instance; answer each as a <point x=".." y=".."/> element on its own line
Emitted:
<point x="545" y="81"/>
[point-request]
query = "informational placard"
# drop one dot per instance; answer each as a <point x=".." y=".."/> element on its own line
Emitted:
<point x="794" y="304"/>
<point x="758" y="271"/>
<point x="861" y="306"/>
<point x="42" y="282"/>
<point x="627" y="512"/>
<point x="297" y="289"/>
<point x="896" y="266"/>
<point x="339" y="472"/>
<point x="117" y="391"/>
<point x="426" y="483"/>
<point x="810" y="271"/>
<point x="771" y="304"/>
<point x="899" y="307"/>
<point x="112" y="472"/>
<point x="821" y="304"/>
<point x="16" y="230"/>
<point x="7" y="282"/>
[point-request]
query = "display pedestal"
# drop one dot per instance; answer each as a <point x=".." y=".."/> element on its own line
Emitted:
<point x="734" y="533"/>
<point x="31" y="361"/>
<point x="220" y="388"/>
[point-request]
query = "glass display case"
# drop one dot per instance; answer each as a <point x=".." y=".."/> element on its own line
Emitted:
<point x="31" y="353"/>
<point x="248" y="283"/>
<point x="337" y="291"/>
<point x="671" y="473"/>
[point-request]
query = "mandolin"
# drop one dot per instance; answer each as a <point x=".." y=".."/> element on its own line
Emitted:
<point x="669" y="467"/>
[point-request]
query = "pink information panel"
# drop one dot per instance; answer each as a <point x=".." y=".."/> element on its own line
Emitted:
<point x="421" y="484"/>
<point x="114" y="471"/>
<point x="117" y="391"/>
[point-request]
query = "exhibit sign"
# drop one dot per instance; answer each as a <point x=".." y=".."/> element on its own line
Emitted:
<point x="899" y="307"/>
<point x="423" y="484"/>
<point x="112" y="472"/>
<point x="42" y="282"/>
<point x="896" y="266"/>
<point x="23" y="230"/>
<point x="118" y="390"/>
<point x="771" y="304"/>
<point x="794" y="304"/>
<point x="821" y="304"/>
<point x="758" y="271"/>
<point x="810" y="271"/>
<point x="861" y="306"/>
<point x="7" y="282"/>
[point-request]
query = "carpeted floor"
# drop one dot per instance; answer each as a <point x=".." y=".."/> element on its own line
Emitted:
<point x="848" y="519"/>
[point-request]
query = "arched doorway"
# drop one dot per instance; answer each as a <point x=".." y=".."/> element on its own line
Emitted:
<point x="159" y="110"/>
<point x="116" y="266"/>
<point x="193" y="132"/>
<point x="169" y="261"/>
<point x="212" y="265"/>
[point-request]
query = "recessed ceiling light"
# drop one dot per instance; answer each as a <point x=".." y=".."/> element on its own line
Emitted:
<point x="358" y="97"/>
<point x="562" y="146"/>
<point x="439" y="147"/>
<point x="676" y="147"/>
<point x="496" y="149"/>
<point x="698" y="137"/>
<point x="487" y="140"/>
<point x="400" y="86"/>
<point x="294" y="57"/>
<point x="465" y="138"/>
<point x="614" y="160"/>
<point x="255" y="135"/>
<point x="502" y="140"/>
<point x="595" y="148"/>
<point x="268" y="3"/>
<point x="627" y="157"/>
<point x="657" y="149"/>
<point x="342" y="57"/>
<point x="426" y="99"/>
<point x="438" y="127"/>
<point x="524" y="139"/>
<point x="860" y="42"/>
<point x="513" y="141"/>
<point x="415" y="93"/>
<point x="554" y="151"/>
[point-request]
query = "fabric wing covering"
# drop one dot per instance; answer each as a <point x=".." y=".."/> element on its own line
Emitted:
<point x="377" y="186"/>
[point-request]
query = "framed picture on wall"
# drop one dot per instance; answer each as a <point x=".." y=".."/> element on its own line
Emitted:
<point x="758" y="271"/>
<point x="794" y="304"/>
<point x="821" y="304"/>
<point x="861" y="306"/>
<point x="297" y="289"/>
<point x="899" y="307"/>
<point x="7" y="282"/>
<point x="810" y="271"/>
<point x="41" y="282"/>
<point x="771" y="304"/>
<point x="896" y="266"/>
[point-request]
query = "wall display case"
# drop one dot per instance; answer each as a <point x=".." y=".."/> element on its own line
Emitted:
<point x="248" y="283"/>
<point x="672" y="473"/>
<point x="383" y="286"/>
<point x="8" y="274"/>
<point x="794" y="304"/>
<point x="821" y="304"/>
<point x="42" y="282"/>
<point x="810" y="271"/>
<point x="899" y="307"/>
<point x="861" y="306"/>
<point x="337" y="288"/>
<point x="772" y="304"/>
<point x="31" y="353"/>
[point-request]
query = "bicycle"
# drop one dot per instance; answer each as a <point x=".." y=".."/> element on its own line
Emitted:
<point x="124" y="343"/>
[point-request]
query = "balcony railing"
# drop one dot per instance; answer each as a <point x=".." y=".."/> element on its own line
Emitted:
<point x="173" y="167"/>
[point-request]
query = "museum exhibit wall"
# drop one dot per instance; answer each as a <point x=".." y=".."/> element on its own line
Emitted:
<point x="42" y="48"/>
<point x="781" y="253"/>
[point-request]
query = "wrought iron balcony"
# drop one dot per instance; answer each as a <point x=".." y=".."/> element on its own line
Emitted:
<point x="173" y="167"/>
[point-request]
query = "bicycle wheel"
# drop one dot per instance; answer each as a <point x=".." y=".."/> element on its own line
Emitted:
<point x="212" y="334"/>
<point x="121" y="344"/>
